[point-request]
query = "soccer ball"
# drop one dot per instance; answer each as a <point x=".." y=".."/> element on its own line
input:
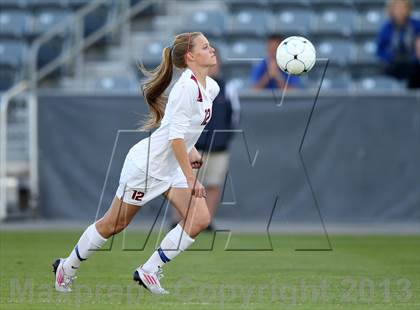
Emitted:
<point x="296" y="55"/>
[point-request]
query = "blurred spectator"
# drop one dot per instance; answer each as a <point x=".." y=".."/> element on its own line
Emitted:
<point x="214" y="146"/>
<point x="396" y="43"/>
<point x="267" y="74"/>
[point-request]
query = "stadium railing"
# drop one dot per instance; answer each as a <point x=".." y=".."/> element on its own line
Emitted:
<point x="28" y="88"/>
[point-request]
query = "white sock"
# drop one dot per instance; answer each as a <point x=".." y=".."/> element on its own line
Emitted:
<point x="89" y="241"/>
<point x="175" y="242"/>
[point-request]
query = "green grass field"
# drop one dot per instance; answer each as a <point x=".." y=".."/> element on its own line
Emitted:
<point x="361" y="272"/>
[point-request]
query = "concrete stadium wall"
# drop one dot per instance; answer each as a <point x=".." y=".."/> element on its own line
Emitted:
<point x="361" y="153"/>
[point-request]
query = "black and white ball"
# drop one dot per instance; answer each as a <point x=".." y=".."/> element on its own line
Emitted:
<point x="296" y="55"/>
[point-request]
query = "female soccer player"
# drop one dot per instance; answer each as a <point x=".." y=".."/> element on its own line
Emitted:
<point x="160" y="164"/>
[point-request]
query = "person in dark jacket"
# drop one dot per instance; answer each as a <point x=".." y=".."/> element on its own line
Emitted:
<point x="397" y="41"/>
<point x="214" y="142"/>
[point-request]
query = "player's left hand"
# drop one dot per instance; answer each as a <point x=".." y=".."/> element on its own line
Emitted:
<point x="195" y="158"/>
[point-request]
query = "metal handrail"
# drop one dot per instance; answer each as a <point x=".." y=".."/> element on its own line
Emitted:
<point x="81" y="42"/>
<point x="36" y="75"/>
<point x="4" y="105"/>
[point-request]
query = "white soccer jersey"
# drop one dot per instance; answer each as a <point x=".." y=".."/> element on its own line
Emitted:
<point x="187" y="112"/>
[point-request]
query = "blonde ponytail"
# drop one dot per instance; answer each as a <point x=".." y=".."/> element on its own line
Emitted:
<point x="160" y="78"/>
<point x="153" y="89"/>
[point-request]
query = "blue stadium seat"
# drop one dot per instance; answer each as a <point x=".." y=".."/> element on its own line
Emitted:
<point x="288" y="4"/>
<point x="246" y="49"/>
<point x="338" y="51"/>
<point x="97" y="18"/>
<point x="239" y="5"/>
<point x="45" y="20"/>
<point x="240" y="73"/>
<point x="48" y="18"/>
<point x="76" y="4"/>
<point x="371" y="20"/>
<point x="340" y="82"/>
<point x="12" y="4"/>
<point x="250" y="23"/>
<point x="221" y="46"/>
<point x="117" y="84"/>
<point x="333" y="71"/>
<point x="366" y="52"/>
<point x="294" y="21"/>
<point x="332" y="3"/>
<point x="212" y="23"/>
<point x="50" y="51"/>
<point x="379" y="83"/>
<point x="337" y="21"/>
<point x="15" y="23"/>
<point x="43" y="4"/>
<point x="372" y="4"/>
<point x="240" y="83"/>
<point x="151" y="52"/>
<point x="12" y="53"/>
<point x="7" y="78"/>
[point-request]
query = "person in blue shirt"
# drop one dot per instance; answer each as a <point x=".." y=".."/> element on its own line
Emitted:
<point x="397" y="41"/>
<point x="267" y="75"/>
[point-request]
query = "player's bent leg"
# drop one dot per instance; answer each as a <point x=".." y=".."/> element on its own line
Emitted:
<point x="196" y="218"/>
<point x="118" y="216"/>
<point x="194" y="211"/>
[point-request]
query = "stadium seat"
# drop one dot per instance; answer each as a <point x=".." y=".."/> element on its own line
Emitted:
<point x="333" y="71"/>
<point x="246" y="50"/>
<point x="212" y="23"/>
<point x="7" y="78"/>
<point x="45" y="20"/>
<point x="294" y="21"/>
<point x="12" y="53"/>
<point x="239" y="5"/>
<point x="50" y="51"/>
<point x="250" y="23"/>
<point x="221" y="46"/>
<point x="332" y="3"/>
<point x="97" y="18"/>
<point x="48" y="18"/>
<point x="116" y="84"/>
<point x="288" y="4"/>
<point x="43" y="4"/>
<point x="338" y="51"/>
<point x="366" y="52"/>
<point x="340" y="82"/>
<point x="336" y="21"/>
<point x="151" y="52"/>
<point x="372" y="4"/>
<point x="76" y="4"/>
<point x="371" y="21"/>
<point x="379" y="83"/>
<point x="4" y="4"/>
<point x="15" y="23"/>
<point x="240" y="83"/>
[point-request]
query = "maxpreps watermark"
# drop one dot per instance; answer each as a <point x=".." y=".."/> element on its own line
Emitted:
<point x="187" y="291"/>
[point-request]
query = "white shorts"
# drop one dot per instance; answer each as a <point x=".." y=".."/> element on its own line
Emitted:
<point x="137" y="189"/>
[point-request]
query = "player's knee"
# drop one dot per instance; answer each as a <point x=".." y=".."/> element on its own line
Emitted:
<point x="119" y="227"/>
<point x="203" y="221"/>
<point x="108" y="229"/>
